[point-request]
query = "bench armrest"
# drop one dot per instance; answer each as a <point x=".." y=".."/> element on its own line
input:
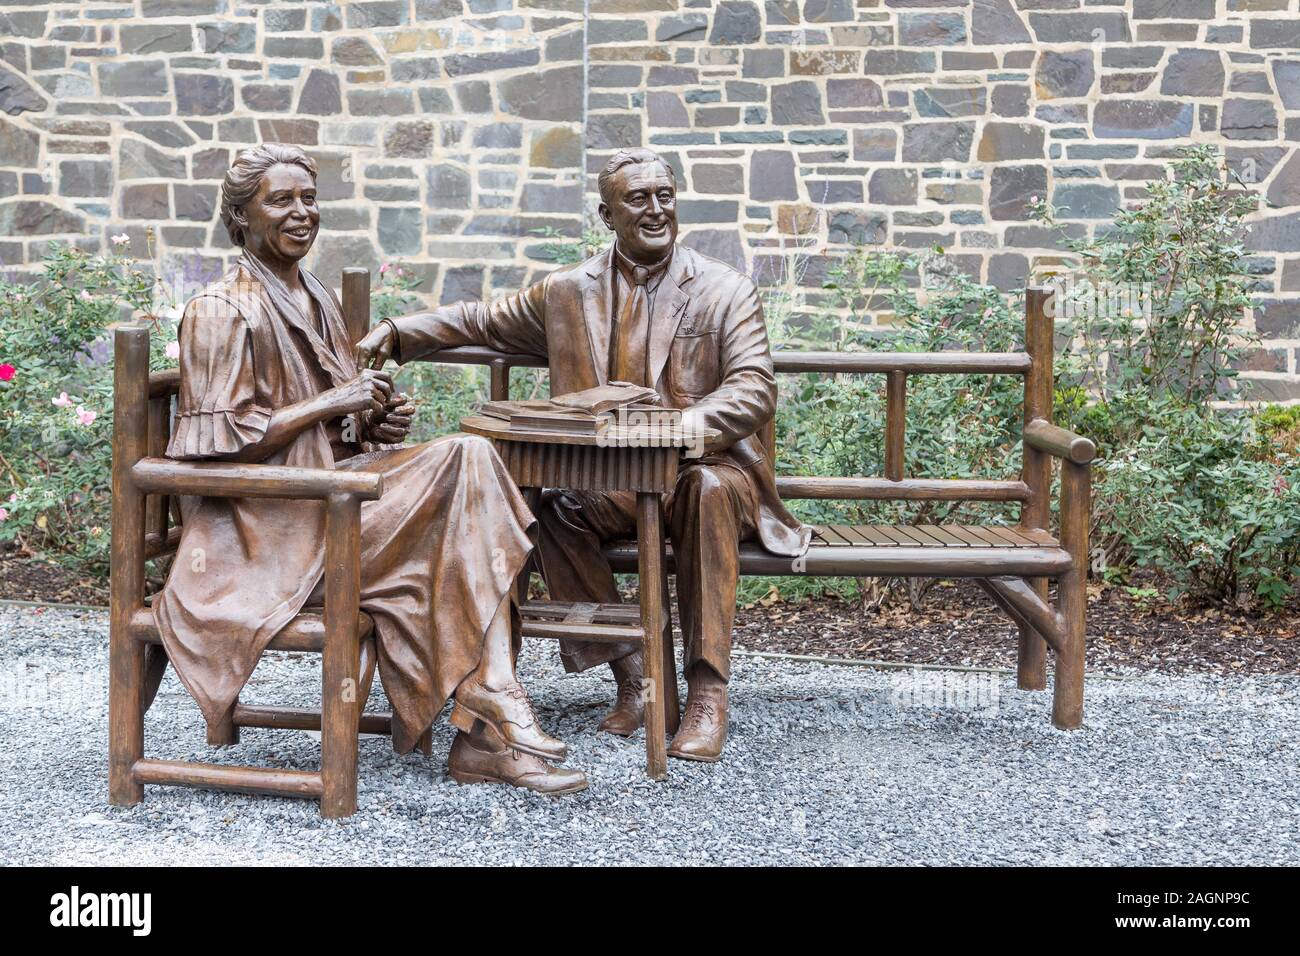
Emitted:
<point x="163" y="476"/>
<point x="1060" y="442"/>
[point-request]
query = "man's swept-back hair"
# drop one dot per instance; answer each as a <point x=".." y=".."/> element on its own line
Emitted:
<point x="628" y="157"/>
<point x="245" y="175"/>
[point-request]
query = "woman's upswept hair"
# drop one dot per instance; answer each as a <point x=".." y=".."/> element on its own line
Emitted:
<point x="245" y="175"/>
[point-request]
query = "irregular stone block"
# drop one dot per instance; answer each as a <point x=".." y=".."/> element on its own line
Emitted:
<point x="892" y="187"/>
<point x="1193" y="73"/>
<point x="893" y="62"/>
<point x="1248" y="119"/>
<point x="1064" y="73"/>
<point x="1275" y="34"/>
<point x="931" y="29"/>
<point x="554" y="94"/>
<point x="143" y="38"/>
<point x="797" y="104"/>
<point x="857" y="228"/>
<point x="557" y="148"/>
<point x="449" y="187"/>
<point x="320" y="94"/>
<point x="145" y="201"/>
<point x="1141" y="119"/>
<point x="228" y="37"/>
<point x="1108" y="26"/>
<point x="1001" y="142"/>
<point x="950" y="102"/>
<point x="879" y="144"/>
<point x="685" y="28"/>
<point x="203" y="94"/>
<point x="1086" y="200"/>
<point x="1011" y="189"/>
<point x="859" y="91"/>
<point x="995" y="22"/>
<point x="772" y="175"/>
<point x="736" y="22"/>
<point x="133" y="78"/>
<point x="936" y="142"/>
<point x="410" y="139"/>
<point x="139" y="160"/>
<point x="18" y="146"/>
<point x="196" y="202"/>
<point x="722" y="244"/>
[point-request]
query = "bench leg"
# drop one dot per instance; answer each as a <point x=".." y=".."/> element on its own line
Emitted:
<point x="1031" y="654"/>
<point x="1072" y="590"/>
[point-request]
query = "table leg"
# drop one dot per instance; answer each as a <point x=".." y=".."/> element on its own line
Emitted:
<point x="672" y="706"/>
<point x="650" y="572"/>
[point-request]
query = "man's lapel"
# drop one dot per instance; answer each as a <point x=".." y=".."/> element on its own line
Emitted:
<point x="669" y="306"/>
<point x="596" y="303"/>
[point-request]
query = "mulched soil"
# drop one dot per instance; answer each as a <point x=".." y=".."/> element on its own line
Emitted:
<point x="960" y="625"/>
<point x="33" y="579"/>
<point x="956" y="625"/>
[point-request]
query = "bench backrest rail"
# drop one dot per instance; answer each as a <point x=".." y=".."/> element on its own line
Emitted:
<point x="1033" y="364"/>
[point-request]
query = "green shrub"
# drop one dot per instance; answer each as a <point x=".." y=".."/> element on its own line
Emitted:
<point x="56" y="403"/>
<point x="1207" y="502"/>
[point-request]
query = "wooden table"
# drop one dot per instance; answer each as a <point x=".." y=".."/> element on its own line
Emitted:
<point x="619" y="459"/>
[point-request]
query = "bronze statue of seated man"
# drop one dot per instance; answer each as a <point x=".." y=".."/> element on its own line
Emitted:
<point x="651" y="312"/>
<point x="268" y="374"/>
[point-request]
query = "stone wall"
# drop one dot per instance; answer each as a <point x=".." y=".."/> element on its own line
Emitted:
<point x="451" y="131"/>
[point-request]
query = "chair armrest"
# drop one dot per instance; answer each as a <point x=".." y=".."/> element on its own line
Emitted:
<point x="163" y="476"/>
<point x="1060" y="442"/>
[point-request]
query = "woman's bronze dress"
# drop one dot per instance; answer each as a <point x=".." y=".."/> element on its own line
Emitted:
<point x="440" y="549"/>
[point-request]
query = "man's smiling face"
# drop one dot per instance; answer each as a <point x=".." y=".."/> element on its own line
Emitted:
<point x="643" y="211"/>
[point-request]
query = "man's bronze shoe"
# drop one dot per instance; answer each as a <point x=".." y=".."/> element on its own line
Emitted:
<point x="628" y="712"/>
<point x="485" y="758"/>
<point x="509" y="713"/>
<point x="703" y="732"/>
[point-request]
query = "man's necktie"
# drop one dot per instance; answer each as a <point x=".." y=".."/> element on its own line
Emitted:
<point x="632" y="332"/>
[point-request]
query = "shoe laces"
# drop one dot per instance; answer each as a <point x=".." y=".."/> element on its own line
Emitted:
<point x="697" y="711"/>
<point x="515" y="690"/>
<point x="629" y="693"/>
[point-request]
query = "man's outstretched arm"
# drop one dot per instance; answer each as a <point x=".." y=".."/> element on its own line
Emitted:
<point x="513" y="323"/>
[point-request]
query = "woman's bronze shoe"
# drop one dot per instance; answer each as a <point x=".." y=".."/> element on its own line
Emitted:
<point x="485" y="758"/>
<point x="509" y="714"/>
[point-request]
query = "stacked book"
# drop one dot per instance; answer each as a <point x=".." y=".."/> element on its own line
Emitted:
<point x="587" y="412"/>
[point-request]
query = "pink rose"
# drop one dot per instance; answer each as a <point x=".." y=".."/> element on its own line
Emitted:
<point x="86" y="416"/>
<point x="173" y="350"/>
<point x="385" y="267"/>
<point x="4" y="514"/>
<point x="62" y="401"/>
<point x="7" y="372"/>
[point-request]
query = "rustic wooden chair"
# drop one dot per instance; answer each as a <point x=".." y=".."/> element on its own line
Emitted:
<point x="144" y="483"/>
<point x="1012" y="564"/>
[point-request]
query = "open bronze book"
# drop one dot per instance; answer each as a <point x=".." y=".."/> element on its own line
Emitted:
<point x="587" y="412"/>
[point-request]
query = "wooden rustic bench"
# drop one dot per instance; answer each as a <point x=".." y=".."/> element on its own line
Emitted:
<point x="1012" y="564"/>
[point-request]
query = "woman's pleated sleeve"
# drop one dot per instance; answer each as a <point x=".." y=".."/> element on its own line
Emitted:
<point x="218" y="412"/>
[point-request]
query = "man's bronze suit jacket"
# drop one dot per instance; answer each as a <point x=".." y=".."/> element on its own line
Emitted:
<point x="707" y="352"/>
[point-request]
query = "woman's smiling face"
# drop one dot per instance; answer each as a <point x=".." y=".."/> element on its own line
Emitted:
<point x="282" y="218"/>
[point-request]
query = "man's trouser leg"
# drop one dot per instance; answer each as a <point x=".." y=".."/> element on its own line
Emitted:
<point x="712" y="509"/>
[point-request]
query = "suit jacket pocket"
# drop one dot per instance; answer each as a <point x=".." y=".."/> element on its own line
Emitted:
<point x="693" y="363"/>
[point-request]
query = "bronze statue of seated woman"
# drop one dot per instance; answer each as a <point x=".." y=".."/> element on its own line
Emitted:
<point x="268" y="374"/>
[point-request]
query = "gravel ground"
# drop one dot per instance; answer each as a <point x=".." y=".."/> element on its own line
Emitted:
<point x="826" y="764"/>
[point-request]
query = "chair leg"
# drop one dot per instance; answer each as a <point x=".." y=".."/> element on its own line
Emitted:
<point x="425" y="743"/>
<point x="1031" y="654"/>
<point x="340" y="708"/>
<point x="125" y="716"/>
